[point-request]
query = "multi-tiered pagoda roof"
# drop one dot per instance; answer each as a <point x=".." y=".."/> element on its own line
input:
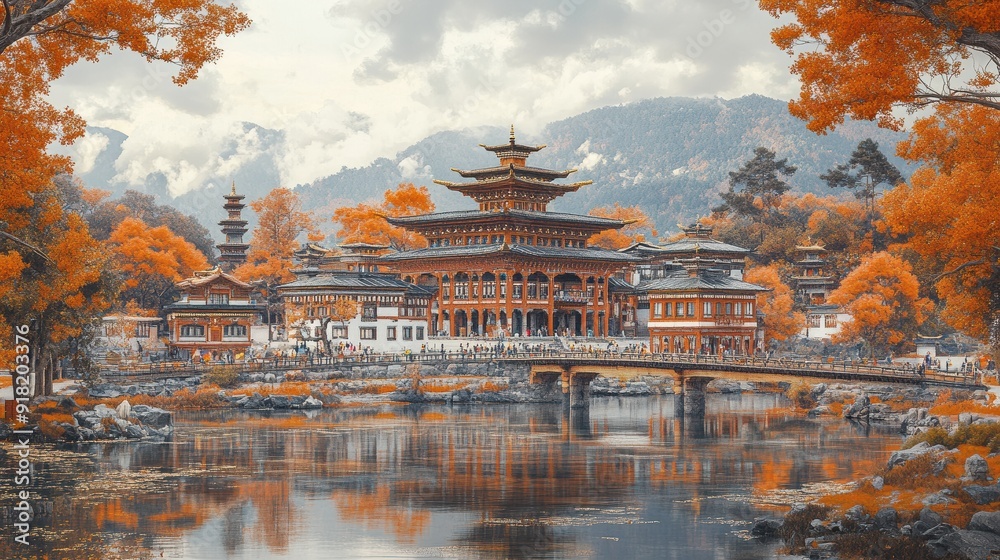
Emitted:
<point x="512" y="217"/>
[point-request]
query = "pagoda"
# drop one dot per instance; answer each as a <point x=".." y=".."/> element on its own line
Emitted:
<point x="234" y="250"/>
<point x="511" y="266"/>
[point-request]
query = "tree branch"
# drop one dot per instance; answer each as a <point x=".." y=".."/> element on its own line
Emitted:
<point x="29" y="246"/>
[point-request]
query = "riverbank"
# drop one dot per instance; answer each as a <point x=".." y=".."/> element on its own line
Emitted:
<point x="937" y="496"/>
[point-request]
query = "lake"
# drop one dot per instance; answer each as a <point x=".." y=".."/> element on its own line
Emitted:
<point x="622" y="479"/>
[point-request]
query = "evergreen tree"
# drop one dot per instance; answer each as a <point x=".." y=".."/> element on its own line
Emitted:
<point x="762" y="182"/>
<point x="869" y="163"/>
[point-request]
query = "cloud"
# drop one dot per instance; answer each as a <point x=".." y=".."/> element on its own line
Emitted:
<point x="348" y="82"/>
<point x="85" y="151"/>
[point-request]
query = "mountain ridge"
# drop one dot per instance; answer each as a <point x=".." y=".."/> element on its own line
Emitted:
<point x="669" y="155"/>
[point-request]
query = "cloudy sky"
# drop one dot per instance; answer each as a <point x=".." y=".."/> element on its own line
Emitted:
<point x="347" y="81"/>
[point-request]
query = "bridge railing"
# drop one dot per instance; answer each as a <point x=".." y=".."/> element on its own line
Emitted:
<point x="313" y="361"/>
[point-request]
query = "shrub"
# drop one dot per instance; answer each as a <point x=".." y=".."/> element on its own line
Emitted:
<point x="918" y="472"/>
<point x="981" y="435"/>
<point x="222" y="376"/>
<point x="875" y="544"/>
<point x="797" y="525"/>
<point x="801" y="394"/>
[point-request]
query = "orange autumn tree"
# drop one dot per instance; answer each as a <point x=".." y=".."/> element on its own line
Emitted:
<point x="781" y="321"/>
<point x="947" y="214"/>
<point x="365" y="223"/>
<point x="55" y="279"/>
<point x="280" y="222"/>
<point x="57" y="273"/>
<point x="882" y="295"/>
<point x="921" y="53"/>
<point x="945" y="53"/>
<point x="151" y="261"/>
<point x="636" y="222"/>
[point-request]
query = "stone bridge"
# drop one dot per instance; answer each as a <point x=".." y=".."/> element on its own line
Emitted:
<point x="691" y="373"/>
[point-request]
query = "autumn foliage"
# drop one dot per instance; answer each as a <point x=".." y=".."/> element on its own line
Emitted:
<point x="947" y="215"/>
<point x="151" y="260"/>
<point x="777" y="304"/>
<point x="55" y="273"/>
<point x="636" y="221"/>
<point x="365" y="223"/>
<point x="882" y="296"/>
<point x="861" y="59"/>
<point x="281" y="220"/>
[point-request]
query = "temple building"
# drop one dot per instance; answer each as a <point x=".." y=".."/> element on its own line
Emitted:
<point x="512" y="266"/>
<point x="233" y="252"/>
<point x="813" y="285"/>
<point x="339" y="296"/>
<point x="661" y="261"/>
<point x="213" y="318"/>
<point x="698" y="307"/>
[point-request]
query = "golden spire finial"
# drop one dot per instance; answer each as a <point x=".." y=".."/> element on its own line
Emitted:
<point x="511" y="133"/>
<point x="234" y="188"/>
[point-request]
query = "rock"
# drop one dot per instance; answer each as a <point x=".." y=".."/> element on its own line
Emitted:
<point x="988" y="521"/>
<point x="859" y="409"/>
<point x="937" y="498"/>
<point x="280" y="401"/>
<point x="767" y="527"/>
<point x="269" y="378"/>
<point x="976" y="468"/>
<point x="878" y="483"/>
<point x="104" y="392"/>
<point x="152" y="416"/>
<point x="965" y="418"/>
<point x="636" y="388"/>
<point x="903" y="455"/>
<point x="982" y="494"/>
<point x="103" y="411"/>
<point x="931" y="517"/>
<point x="938" y="531"/>
<point x="312" y="403"/>
<point x="856" y="513"/>
<point x="821" y="410"/>
<point x="87" y="419"/>
<point x="967" y="544"/>
<point x="134" y="432"/>
<point x="887" y="519"/>
<point x="71" y="432"/>
<point x="124" y="409"/>
<point x="5" y="430"/>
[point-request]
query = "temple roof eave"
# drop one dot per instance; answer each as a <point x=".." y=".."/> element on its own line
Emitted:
<point x="490" y="184"/>
<point x="479" y="217"/>
<point x="511" y="168"/>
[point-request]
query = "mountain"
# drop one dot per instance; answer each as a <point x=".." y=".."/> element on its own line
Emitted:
<point x="671" y="156"/>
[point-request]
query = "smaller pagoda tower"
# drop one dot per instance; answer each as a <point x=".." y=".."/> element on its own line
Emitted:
<point x="234" y="251"/>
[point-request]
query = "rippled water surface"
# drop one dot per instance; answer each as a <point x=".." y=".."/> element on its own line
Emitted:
<point x="624" y="479"/>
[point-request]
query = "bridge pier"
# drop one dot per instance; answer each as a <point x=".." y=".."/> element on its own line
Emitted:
<point x="576" y="388"/>
<point x="689" y="396"/>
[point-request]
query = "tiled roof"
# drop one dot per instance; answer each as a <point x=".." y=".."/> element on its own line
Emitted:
<point x="526" y="250"/>
<point x="526" y="214"/>
<point x="616" y="284"/>
<point x="688" y="245"/>
<point x="208" y="276"/>
<point x="700" y="282"/>
<point x="349" y="281"/>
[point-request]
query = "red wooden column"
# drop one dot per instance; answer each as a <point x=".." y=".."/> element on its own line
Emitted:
<point x="551" y="305"/>
<point x="507" y="300"/>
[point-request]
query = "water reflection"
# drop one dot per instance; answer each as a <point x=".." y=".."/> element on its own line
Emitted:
<point x="624" y="478"/>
